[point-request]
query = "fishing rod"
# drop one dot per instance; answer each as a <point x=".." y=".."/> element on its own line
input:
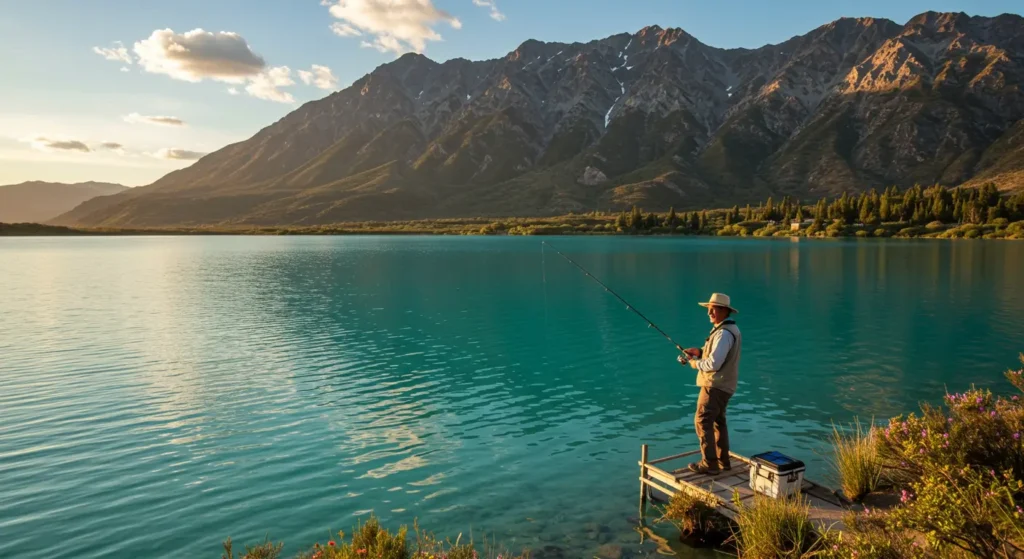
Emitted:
<point x="617" y="296"/>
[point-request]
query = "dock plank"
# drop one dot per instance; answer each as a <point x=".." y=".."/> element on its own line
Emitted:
<point x="826" y="508"/>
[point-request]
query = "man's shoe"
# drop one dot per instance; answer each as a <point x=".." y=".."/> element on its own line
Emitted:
<point x="725" y="465"/>
<point x="701" y="468"/>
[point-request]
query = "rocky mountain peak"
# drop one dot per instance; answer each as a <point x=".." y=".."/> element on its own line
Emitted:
<point x="654" y="117"/>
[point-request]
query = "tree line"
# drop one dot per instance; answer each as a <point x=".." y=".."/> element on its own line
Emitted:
<point x="914" y="206"/>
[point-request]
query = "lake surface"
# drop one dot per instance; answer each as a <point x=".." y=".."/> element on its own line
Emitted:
<point x="159" y="394"/>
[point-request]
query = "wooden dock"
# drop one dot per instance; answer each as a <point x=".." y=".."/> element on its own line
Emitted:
<point x="659" y="480"/>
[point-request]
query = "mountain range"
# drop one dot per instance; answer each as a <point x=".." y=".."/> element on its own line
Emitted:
<point x="655" y="118"/>
<point x="38" y="202"/>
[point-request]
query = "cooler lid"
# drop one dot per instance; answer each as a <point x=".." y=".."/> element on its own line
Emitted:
<point x="778" y="461"/>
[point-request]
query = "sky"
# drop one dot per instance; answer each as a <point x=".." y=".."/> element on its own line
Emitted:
<point x="126" y="91"/>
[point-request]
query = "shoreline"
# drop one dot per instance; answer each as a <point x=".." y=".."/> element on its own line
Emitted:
<point x="571" y="225"/>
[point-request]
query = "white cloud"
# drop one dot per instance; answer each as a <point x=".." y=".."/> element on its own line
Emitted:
<point x="125" y="69"/>
<point x="42" y="143"/>
<point x="266" y="84"/>
<point x="178" y="154"/>
<point x="319" y="76"/>
<point x="496" y="14"/>
<point x="344" y="30"/>
<point x="136" y="118"/>
<point x="396" y="25"/>
<point x="223" y="56"/>
<point x="117" y="54"/>
<point x="198" y="55"/>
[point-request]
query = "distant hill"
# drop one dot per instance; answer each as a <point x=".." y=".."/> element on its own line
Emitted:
<point x="39" y="202"/>
<point x="654" y="118"/>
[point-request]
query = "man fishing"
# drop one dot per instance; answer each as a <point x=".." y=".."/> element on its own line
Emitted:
<point x="717" y="365"/>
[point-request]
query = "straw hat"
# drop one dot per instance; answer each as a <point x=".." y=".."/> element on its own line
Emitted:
<point x="719" y="300"/>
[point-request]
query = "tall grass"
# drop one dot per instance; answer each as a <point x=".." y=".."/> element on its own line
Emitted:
<point x="856" y="460"/>
<point x="776" y="529"/>
<point x="696" y="515"/>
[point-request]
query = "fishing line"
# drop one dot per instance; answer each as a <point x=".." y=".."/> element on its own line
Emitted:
<point x="617" y="296"/>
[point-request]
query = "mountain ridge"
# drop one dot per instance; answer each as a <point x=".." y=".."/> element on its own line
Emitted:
<point x="40" y="201"/>
<point x="655" y="118"/>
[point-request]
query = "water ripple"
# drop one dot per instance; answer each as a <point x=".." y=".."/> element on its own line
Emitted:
<point x="160" y="394"/>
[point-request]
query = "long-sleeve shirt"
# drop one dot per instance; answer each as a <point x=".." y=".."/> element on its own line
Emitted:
<point x="711" y="361"/>
<point x="719" y="363"/>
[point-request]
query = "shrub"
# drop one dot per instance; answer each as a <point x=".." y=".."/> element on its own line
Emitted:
<point x="871" y="535"/>
<point x="729" y="231"/>
<point x="966" y="510"/>
<point x="972" y="234"/>
<point x="911" y="231"/>
<point x="862" y="233"/>
<point x="776" y="528"/>
<point x="264" y="550"/>
<point x="368" y="540"/>
<point x="960" y="472"/>
<point x="856" y="460"/>
<point x="696" y="515"/>
<point x="1015" y="228"/>
<point x="837" y="229"/>
<point x="881" y="232"/>
<point x="980" y="430"/>
<point x="371" y="541"/>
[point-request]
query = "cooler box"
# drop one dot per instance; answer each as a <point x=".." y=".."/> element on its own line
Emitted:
<point x="775" y="474"/>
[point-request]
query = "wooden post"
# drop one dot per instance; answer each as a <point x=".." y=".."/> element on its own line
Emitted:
<point x="643" y="476"/>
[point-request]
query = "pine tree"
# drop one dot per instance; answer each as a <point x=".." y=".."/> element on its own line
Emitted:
<point x="865" y="209"/>
<point x="671" y="220"/>
<point x="695" y="221"/>
<point x="749" y="215"/>
<point x="636" y="219"/>
<point x="883" y="208"/>
<point x="703" y="220"/>
<point x="769" y="210"/>
<point x="728" y="218"/>
<point x="800" y="214"/>
<point x="621" y="222"/>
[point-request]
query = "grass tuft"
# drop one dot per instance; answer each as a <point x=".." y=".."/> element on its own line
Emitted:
<point x="776" y="529"/>
<point x="856" y="460"/>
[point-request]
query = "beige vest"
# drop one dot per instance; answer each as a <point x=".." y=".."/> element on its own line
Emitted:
<point x="727" y="376"/>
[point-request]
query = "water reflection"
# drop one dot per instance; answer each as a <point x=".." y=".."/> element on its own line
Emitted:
<point x="464" y="382"/>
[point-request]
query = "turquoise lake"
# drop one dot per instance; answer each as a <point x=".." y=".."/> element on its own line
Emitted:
<point x="160" y="394"/>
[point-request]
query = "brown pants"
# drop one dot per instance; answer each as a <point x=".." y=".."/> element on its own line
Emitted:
<point x="711" y="427"/>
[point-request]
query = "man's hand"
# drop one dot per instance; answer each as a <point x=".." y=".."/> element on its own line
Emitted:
<point x="693" y="352"/>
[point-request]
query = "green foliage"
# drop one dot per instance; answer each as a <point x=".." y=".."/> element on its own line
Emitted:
<point x="967" y="510"/>
<point x="959" y="471"/>
<point x="371" y="541"/>
<point x="265" y="550"/>
<point x="856" y="460"/>
<point x="696" y="515"/>
<point x="776" y="529"/>
<point x="871" y="535"/>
